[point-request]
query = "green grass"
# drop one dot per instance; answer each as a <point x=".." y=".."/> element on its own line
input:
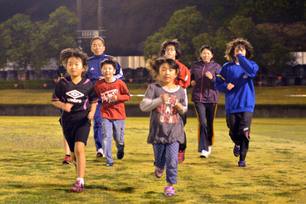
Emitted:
<point x="264" y="95"/>
<point x="31" y="170"/>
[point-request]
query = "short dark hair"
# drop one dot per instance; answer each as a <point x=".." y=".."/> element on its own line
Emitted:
<point x="154" y="64"/>
<point x="95" y="38"/>
<point x="210" y="48"/>
<point x="78" y="54"/>
<point x="111" y="60"/>
<point x="241" y="43"/>
<point x="173" y="42"/>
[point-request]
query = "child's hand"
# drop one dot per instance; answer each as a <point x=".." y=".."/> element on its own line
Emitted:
<point x="178" y="106"/>
<point x="209" y="75"/>
<point x="193" y="83"/>
<point x="165" y="97"/>
<point x="230" y="86"/>
<point x="67" y="107"/>
<point x="91" y="115"/>
<point x="114" y="98"/>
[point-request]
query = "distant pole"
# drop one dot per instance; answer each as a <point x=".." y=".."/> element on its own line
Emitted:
<point x="79" y="26"/>
<point x="79" y="12"/>
<point x="100" y="10"/>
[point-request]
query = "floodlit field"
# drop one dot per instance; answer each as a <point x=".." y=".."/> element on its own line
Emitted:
<point x="264" y="95"/>
<point x="32" y="150"/>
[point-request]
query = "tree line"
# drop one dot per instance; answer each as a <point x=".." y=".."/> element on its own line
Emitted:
<point x="192" y="30"/>
<point x="213" y="22"/>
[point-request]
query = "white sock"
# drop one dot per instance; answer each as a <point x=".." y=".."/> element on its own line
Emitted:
<point x="81" y="180"/>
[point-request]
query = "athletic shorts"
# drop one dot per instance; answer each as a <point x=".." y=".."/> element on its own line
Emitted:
<point x="76" y="130"/>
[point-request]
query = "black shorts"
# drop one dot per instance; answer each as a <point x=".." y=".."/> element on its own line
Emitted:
<point x="75" y="130"/>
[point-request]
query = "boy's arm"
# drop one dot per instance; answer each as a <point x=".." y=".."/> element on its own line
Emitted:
<point x="123" y="94"/>
<point x="250" y="68"/>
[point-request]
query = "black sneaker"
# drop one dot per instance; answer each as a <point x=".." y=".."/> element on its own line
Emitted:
<point x="120" y="154"/>
<point x="236" y="151"/>
<point x="241" y="164"/>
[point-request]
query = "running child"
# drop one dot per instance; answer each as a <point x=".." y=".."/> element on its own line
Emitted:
<point x="172" y="49"/>
<point x="235" y="79"/>
<point x="165" y="101"/>
<point x="61" y="73"/>
<point x="76" y="96"/>
<point x="113" y="92"/>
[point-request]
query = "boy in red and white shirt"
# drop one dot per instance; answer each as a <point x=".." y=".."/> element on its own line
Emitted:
<point x="113" y="93"/>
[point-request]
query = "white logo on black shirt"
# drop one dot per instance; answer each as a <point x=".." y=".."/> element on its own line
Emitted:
<point x="74" y="94"/>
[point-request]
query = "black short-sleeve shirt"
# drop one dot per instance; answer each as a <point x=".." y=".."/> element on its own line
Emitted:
<point x="81" y="95"/>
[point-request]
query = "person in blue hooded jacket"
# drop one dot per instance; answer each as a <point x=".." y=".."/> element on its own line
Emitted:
<point x="97" y="46"/>
<point x="235" y="79"/>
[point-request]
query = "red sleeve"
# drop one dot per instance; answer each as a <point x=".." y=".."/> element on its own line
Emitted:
<point x="123" y="94"/>
<point x="183" y="77"/>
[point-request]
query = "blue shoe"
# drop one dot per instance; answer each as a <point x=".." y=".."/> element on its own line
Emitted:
<point x="236" y="151"/>
<point x="241" y="164"/>
<point x="159" y="172"/>
<point x="169" y="191"/>
<point x="109" y="164"/>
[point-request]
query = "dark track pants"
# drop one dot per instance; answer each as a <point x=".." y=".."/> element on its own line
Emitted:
<point x="239" y="130"/>
<point x="206" y="115"/>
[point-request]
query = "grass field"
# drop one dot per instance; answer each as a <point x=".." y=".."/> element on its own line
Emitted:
<point x="264" y="95"/>
<point x="32" y="150"/>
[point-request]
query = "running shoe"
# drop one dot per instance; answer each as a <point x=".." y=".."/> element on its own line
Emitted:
<point x="204" y="154"/>
<point x="67" y="159"/>
<point x="241" y="164"/>
<point x="159" y="172"/>
<point x="181" y="156"/>
<point x="109" y="164"/>
<point x="120" y="154"/>
<point x="236" y="151"/>
<point x="169" y="191"/>
<point x="100" y="153"/>
<point x="77" y="187"/>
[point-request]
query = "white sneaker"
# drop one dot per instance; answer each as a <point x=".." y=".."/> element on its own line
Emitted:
<point x="209" y="150"/>
<point x="100" y="153"/>
<point x="204" y="154"/>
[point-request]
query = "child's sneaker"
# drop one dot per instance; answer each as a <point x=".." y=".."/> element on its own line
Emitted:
<point x="236" y="151"/>
<point x="159" y="172"/>
<point x="120" y="154"/>
<point x="77" y="187"/>
<point x="67" y="159"/>
<point x="181" y="156"/>
<point x="169" y="191"/>
<point x="109" y="164"/>
<point x="100" y="153"/>
<point x="241" y="164"/>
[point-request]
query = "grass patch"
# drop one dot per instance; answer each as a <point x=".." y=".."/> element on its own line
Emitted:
<point x="264" y="95"/>
<point x="32" y="150"/>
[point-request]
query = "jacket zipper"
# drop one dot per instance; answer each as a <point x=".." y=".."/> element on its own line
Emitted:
<point x="202" y="82"/>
